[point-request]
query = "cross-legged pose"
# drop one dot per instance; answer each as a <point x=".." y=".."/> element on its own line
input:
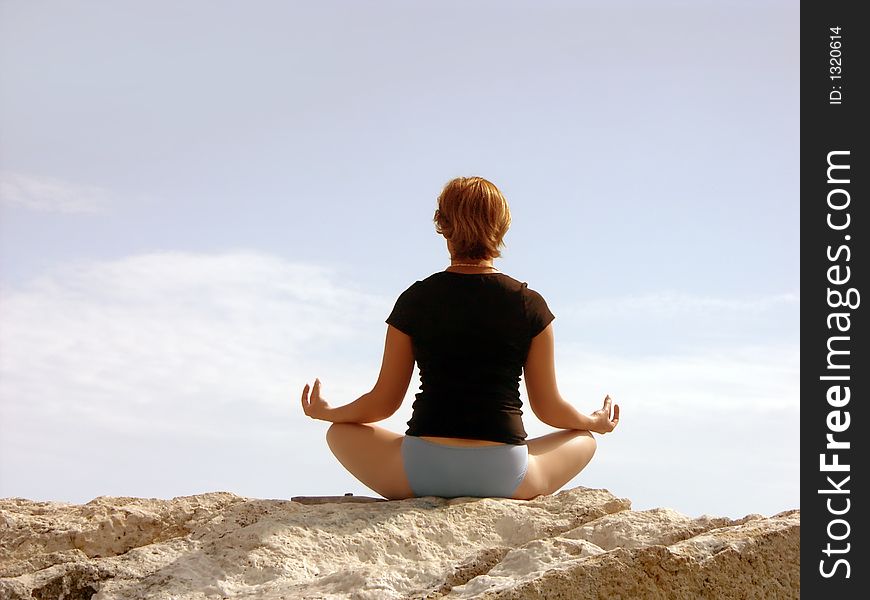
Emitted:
<point x="473" y="331"/>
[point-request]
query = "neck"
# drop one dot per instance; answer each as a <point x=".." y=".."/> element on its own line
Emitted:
<point x="471" y="264"/>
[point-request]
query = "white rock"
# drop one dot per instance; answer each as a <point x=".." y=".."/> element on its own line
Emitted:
<point x="224" y="546"/>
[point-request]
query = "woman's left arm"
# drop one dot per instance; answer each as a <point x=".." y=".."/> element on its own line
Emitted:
<point x="384" y="399"/>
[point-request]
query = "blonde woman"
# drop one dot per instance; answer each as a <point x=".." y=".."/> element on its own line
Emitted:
<point x="473" y="331"/>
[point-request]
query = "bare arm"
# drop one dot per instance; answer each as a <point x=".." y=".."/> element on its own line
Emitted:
<point x="547" y="403"/>
<point x="384" y="399"/>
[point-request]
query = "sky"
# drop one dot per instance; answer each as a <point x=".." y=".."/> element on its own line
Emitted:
<point x="206" y="205"/>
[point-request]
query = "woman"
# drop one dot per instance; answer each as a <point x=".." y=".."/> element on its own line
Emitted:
<point x="473" y="332"/>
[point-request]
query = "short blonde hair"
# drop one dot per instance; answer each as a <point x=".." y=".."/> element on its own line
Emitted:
<point x="474" y="215"/>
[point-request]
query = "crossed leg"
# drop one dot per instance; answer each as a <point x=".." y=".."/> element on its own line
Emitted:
<point x="554" y="460"/>
<point x="373" y="455"/>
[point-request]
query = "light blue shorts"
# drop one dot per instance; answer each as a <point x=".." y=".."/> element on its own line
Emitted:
<point x="455" y="471"/>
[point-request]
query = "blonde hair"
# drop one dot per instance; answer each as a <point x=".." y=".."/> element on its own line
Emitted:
<point x="474" y="216"/>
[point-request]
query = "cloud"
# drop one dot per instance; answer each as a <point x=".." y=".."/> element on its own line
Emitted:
<point x="683" y="326"/>
<point x="751" y="379"/>
<point x="45" y="194"/>
<point x="173" y="373"/>
<point x="668" y="304"/>
<point x="110" y="339"/>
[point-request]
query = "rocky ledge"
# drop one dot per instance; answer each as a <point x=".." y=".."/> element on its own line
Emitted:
<point x="578" y="543"/>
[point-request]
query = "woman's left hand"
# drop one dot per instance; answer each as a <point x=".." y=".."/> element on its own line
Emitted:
<point x="315" y="407"/>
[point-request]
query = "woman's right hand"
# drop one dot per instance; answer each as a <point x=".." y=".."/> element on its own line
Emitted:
<point x="316" y="406"/>
<point x="602" y="421"/>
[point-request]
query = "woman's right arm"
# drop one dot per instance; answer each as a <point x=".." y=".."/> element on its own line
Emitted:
<point x="539" y="373"/>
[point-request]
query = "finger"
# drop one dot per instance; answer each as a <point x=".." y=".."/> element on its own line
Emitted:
<point x="315" y="393"/>
<point x="615" y="419"/>
<point x="606" y="407"/>
<point x="305" y="399"/>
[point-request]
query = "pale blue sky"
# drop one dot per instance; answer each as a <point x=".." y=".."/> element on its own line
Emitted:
<point x="205" y="205"/>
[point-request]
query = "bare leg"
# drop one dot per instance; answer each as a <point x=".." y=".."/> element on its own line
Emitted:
<point x="554" y="460"/>
<point x="373" y="455"/>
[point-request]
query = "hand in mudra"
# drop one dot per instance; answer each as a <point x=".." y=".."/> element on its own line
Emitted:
<point x="602" y="422"/>
<point x="315" y="407"/>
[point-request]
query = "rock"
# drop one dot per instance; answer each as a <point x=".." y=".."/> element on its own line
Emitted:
<point x="578" y="543"/>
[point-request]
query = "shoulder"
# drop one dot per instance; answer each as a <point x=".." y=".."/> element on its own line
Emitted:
<point x="533" y="300"/>
<point x="436" y="281"/>
<point x="411" y="290"/>
<point x="530" y="292"/>
<point x="522" y="288"/>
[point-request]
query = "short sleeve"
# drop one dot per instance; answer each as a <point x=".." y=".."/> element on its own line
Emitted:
<point x="402" y="316"/>
<point x="538" y="314"/>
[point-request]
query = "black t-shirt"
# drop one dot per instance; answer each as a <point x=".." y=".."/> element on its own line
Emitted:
<point x="470" y="335"/>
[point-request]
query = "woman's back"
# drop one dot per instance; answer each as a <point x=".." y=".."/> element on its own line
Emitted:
<point x="471" y="335"/>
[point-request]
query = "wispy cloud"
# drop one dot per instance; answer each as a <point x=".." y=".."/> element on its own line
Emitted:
<point x="754" y="379"/>
<point x="172" y="329"/>
<point x="171" y="373"/>
<point x="668" y="304"/>
<point x="46" y="194"/>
